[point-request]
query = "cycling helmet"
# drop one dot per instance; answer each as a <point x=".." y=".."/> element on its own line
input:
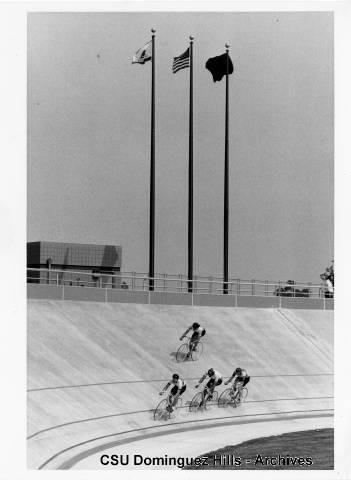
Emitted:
<point x="196" y="325"/>
<point x="175" y="376"/>
<point x="210" y="372"/>
<point x="238" y="371"/>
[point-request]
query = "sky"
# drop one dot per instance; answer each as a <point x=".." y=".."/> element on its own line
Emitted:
<point x="89" y="139"/>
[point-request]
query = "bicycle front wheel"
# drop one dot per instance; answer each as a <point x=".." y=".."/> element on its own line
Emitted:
<point x="161" y="412"/>
<point x="182" y="352"/>
<point x="195" y="402"/>
<point x="196" y="354"/>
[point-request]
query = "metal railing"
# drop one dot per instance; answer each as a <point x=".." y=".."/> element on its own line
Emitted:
<point x="175" y="283"/>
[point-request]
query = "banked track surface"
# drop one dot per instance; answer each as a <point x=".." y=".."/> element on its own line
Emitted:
<point x="85" y="347"/>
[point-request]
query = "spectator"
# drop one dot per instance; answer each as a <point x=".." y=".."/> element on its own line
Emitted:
<point x="327" y="284"/>
<point x="331" y="272"/>
<point x="330" y="287"/>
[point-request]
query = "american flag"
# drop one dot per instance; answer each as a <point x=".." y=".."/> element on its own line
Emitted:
<point x="183" y="61"/>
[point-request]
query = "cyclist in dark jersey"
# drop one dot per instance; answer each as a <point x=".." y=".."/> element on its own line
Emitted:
<point x="178" y="388"/>
<point x="215" y="379"/>
<point x="240" y="377"/>
<point x="198" y="332"/>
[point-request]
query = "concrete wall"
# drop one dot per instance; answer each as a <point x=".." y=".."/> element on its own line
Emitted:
<point x="61" y="292"/>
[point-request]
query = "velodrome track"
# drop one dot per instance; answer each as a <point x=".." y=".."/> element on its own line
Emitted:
<point x="95" y="370"/>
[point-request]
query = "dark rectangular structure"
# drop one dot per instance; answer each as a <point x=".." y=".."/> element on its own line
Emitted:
<point x="76" y="264"/>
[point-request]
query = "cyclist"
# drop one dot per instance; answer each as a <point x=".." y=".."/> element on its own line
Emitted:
<point x="214" y="381"/>
<point x="240" y="377"/>
<point x="198" y="332"/>
<point x="177" y="390"/>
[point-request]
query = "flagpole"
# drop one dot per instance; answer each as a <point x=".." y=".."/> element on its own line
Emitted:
<point x="226" y="179"/>
<point x="190" y="199"/>
<point x="152" y="172"/>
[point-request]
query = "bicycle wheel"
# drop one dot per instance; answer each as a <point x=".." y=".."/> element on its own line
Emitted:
<point x="225" y="398"/>
<point x="196" y="354"/>
<point x="195" y="402"/>
<point x="240" y="396"/>
<point x="243" y="395"/>
<point x="179" y="403"/>
<point x="182" y="352"/>
<point x="161" y="410"/>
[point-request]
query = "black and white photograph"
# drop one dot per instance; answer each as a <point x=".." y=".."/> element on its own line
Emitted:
<point x="179" y="245"/>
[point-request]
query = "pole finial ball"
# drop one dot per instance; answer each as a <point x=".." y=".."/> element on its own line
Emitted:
<point x="227" y="45"/>
<point x="153" y="30"/>
<point x="191" y="37"/>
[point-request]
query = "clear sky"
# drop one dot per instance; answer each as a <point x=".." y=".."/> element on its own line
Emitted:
<point x="89" y="139"/>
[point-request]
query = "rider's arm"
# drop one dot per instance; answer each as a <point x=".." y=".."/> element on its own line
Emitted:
<point x="165" y="388"/>
<point x="203" y="332"/>
<point x="185" y="333"/>
<point x="229" y="379"/>
<point x="201" y="379"/>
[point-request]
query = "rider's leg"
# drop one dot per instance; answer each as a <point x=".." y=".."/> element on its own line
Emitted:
<point x="210" y="395"/>
<point x="239" y="391"/>
<point x="234" y="390"/>
<point x="182" y="390"/>
<point x="173" y="397"/>
<point x="175" y="400"/>
<point x="190" y="349"/>
<point x="170" y="401"/>
<point x="219" y="382"/>
<point x="204" y="394"/>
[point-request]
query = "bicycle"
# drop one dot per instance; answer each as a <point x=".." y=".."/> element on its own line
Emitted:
<point x="186" y="352"/>
<point x="228" y="397"/>
<point x="163" y="411"/>
<point x="200" y="400"/>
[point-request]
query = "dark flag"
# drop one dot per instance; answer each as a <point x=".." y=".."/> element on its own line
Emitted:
<point x="218" y="66"/>
<point x="183" y="61"/>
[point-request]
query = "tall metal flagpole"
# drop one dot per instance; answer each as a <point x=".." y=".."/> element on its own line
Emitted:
<point x="152" y="172"/>
<point x="190" y="207"/>
<point x="226" y="179"/>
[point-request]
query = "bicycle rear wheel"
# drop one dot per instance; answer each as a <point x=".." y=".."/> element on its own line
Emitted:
<point x="240" y="396"/>
<point x="179" y="403"/>
<point x="225" y="398"/>
<point x="182" y="352"/>
<point x="196" y="354"/>
<point x="243" y="395"/>
<point x="161" y="412"/>
<point x="195" y="402"/>
<point x="209" y="402"/>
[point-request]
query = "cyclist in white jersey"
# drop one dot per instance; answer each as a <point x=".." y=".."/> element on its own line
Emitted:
<point x="198" y="332"/>
<point x="215" y="379"/>
<point x="177" y="389"/>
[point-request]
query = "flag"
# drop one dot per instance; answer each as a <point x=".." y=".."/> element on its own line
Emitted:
<point x="143" y="54"/>
<point x="183" y="61"/>
<point x="218" y="66"/>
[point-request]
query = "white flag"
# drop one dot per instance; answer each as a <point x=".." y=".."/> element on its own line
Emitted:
<point x="143" y="54"/>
